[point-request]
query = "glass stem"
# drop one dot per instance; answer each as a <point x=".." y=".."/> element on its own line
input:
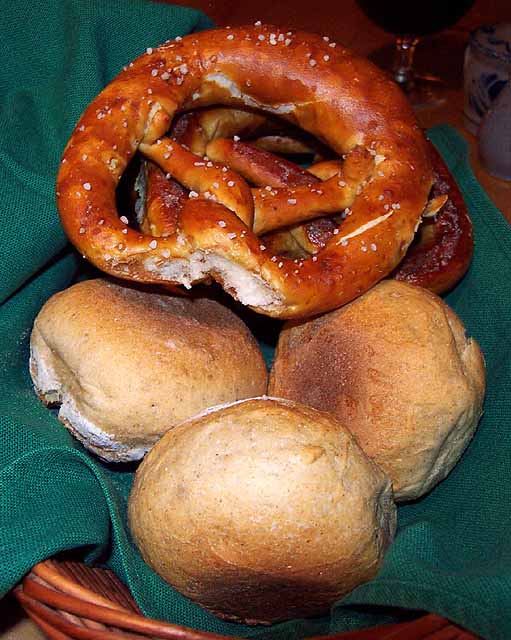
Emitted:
<point x="403" y="63"/>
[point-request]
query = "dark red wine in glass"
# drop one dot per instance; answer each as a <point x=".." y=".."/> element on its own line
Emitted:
<point x="409" y="21"/>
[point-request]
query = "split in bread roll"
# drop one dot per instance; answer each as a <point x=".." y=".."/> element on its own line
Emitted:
<point x="396" y="368"/>
<point x="126" y="365"/>
<point x="262" y="510"/>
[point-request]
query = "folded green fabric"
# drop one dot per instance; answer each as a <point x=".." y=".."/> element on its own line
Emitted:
<point x="57" y="55"/>
<point x="451" y="555"/>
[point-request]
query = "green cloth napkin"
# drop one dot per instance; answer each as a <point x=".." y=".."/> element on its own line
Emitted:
<point x="452" y="554"/>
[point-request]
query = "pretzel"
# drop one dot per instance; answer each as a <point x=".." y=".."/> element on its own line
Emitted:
<point x="162" y="200"/>
<point x="284" y="144"/>
<point x="436" y="260"/>
<point x="321" y="87"/>
<point x="195" y="130"/>
<point x="442" y="250"/>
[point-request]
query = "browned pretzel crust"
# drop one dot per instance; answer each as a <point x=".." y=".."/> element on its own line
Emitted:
<point x="442" y="250"/>
<point x="344" y="101"/>
<point x="161" y="201"/>
<point x="437" y="258"/>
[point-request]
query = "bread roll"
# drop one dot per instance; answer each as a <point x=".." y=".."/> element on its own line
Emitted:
<point x="261" y="511"/>
<point x="397" y="369"/>
<point x="126" y="365"/>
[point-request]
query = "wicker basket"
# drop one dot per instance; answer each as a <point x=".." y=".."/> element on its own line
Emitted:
<point x="71" y="600"/>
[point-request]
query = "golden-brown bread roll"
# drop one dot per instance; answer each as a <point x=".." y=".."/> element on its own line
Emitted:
<point x="396" y="368"/>
<point x="261" y="511"/>
<point x="126" y="365"/>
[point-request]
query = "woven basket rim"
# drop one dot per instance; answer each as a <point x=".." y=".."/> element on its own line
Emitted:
<point x="68" y="599"/>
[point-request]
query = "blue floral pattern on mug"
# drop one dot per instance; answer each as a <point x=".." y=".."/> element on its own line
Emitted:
<point x="485" y="90"/>
<point x="487" y="69"/>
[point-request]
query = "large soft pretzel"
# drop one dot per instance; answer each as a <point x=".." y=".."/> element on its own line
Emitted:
<point x="344" y="101"/>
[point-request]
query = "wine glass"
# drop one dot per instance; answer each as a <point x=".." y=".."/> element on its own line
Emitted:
<point x="408" y="21"/>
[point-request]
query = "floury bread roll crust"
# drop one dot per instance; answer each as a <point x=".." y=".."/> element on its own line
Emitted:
<point x="261" y="511"/>
<point x="396" y="368"/>
<point x="126" y="365"/>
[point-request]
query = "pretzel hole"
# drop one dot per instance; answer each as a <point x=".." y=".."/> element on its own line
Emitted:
<point x="126" y="194"/>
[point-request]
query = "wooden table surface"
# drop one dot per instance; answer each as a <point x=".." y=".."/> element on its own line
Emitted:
<point x="343" y="21"/>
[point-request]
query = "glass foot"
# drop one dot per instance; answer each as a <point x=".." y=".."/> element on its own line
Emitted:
<point x="425" y="91"/>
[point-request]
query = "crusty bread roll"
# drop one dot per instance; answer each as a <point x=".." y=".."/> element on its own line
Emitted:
<point x="261" y="511"/>
<point x="126" y="365"/>
<point x="396" y="368"/>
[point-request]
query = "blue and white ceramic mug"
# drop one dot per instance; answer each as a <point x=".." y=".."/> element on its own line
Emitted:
<point x="486" y="70"/>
